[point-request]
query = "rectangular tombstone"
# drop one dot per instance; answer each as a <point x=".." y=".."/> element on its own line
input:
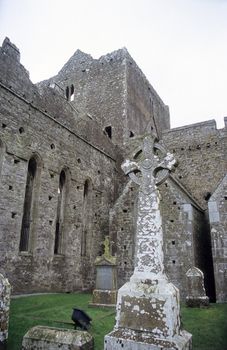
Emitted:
<point x="105" y="292"/>
<point x="46" y="338"/>
<point x="195" y="286"/>
<point x="105" y="277"/>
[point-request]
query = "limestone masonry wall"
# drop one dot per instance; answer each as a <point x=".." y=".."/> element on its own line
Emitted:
<point x="62" y="190"/>
<point x="218" y="224"/>
<point x="113" y="91"/>
<point x="184" y="237"/>
<point x="143" y="103"/>
<point x="201" y="151"/>
<point x="28" y="129"/>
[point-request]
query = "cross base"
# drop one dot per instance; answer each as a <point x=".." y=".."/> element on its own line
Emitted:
<point x="104" y="298"/>
<point x="133" y="340"/>
<point x="150" y="306"/>
<point x="148" y="317"/>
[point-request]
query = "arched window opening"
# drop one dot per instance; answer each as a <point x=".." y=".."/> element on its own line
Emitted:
<point x="108" y="130"/>
<point x="72" y="93"/>
<point x="86" y="185"/>
<point x="60" y="213"/>
<point x="67" y="93"/>
<point x="1" y="155"/>
<point x="207" y="196"/>
<point x="86" y="216"/>
<point x="28" y="205"/>
<point x="131" y="134"/>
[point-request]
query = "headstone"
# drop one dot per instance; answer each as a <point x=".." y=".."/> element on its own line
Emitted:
<point x="148" y="309"/>
<point x="4" y="311"/>
<point x="46" y="338"/>
<point x="195" y="287"/>
<point x="105" y="292"/>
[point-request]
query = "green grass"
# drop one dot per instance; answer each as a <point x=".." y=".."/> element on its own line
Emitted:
<point x="53" y="310"/>
<point x="208" y="326"/>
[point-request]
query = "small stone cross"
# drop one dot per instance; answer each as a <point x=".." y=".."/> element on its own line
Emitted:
<point x="149" y="234"/>
<point x="106" y="244"/>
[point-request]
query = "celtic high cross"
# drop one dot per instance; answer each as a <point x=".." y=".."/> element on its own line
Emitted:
<point x="148" y="308"/>
<point x="149" y="235"/>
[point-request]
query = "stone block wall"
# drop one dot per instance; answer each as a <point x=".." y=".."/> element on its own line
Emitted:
<point x="60" y="139"/>
<point x="61" y="122"/>
<point x="201" y="151"/>
<point x="218" y="223"/>
<point x="143" y="103"/>
<point x="183" y="221"/>
<point x="113" y="91"/>
<point x="186" y="243"/>
<point x="98" y="88"/>
<point x="122" y="231"/>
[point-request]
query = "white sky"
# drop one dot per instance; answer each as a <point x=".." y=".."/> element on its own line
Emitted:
<point x="180" y="45"/>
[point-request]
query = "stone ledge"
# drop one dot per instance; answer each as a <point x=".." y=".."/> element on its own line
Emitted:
<point x="131" y="340"/>
<point x="104" y="297"/>
<point x="197" y="302"/>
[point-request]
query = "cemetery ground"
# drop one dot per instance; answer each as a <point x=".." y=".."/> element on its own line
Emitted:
<point x="207" y="325"/>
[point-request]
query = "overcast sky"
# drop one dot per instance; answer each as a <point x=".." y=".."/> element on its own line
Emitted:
<point x="180" y="45"/>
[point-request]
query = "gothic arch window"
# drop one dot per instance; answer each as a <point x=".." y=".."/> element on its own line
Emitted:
<point x="60" y="218"/>
<point x="108" y="130"/>
<point x="69" y="93"/>
<point x="87" y="197"/>
<point x="72" y="93"/>
<point x="2" y="149"/>
<point x="30" y="204"/>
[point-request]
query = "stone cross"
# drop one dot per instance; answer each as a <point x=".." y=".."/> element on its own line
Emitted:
<point x="149" y="236"/>
<point x="106" y="244"/>
<point x="148" y="309"/>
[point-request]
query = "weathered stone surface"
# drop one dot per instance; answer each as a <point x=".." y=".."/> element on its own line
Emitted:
<point x="88" y="133"/>
<point x="148" y="306"/>
<point x="4" y="310"/>
<point x="46" y="338"/>
<point x="217" y="208"/>
<point x="105" y="292"/>
<point x="195" y="285"/>
<point x="101" y="297"/>
<point x="131" y="340"/>
<point x="186" y="231"/>
<point x="62" y="139"/>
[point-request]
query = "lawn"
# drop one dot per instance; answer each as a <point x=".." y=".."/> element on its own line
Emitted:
<point x="208" y="326"/>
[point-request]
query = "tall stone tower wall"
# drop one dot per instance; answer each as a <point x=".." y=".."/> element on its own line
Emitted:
<point x="114" y="92"/>
<point x="143" y="104"/>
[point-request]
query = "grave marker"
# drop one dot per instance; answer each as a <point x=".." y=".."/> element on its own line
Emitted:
<point x="148" y="309"/>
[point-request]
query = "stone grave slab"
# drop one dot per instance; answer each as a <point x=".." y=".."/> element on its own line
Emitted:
<point x="47" y="338"/>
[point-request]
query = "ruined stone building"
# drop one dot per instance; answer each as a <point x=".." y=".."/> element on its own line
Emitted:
<point x="62" y="142"/>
